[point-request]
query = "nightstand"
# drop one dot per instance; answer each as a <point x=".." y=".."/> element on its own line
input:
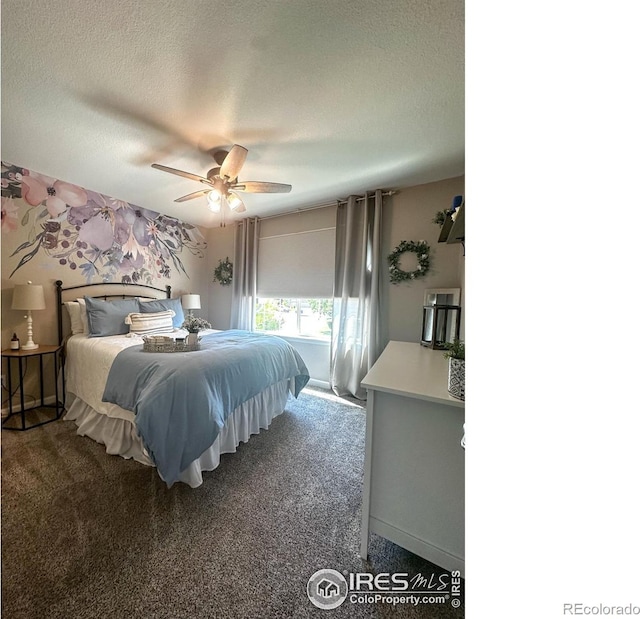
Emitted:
<point x="36" y="412"/>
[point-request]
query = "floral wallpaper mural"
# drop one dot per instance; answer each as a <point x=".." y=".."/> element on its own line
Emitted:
<point x="103" y="238"/>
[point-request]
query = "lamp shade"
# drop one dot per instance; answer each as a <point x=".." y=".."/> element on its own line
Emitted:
<point x="234" y="201"/>
<point x="28" y="297"/>
<point x="215" y="201"/>
<point x="191" y="301"/>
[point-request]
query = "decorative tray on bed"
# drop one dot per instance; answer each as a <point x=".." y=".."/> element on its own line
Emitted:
<point x="161" y="343"/>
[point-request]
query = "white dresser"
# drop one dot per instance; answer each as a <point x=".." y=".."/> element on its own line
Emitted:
<point x="414" y="464"/>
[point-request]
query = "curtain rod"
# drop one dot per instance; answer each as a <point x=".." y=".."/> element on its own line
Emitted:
<point x="312" y="208"/>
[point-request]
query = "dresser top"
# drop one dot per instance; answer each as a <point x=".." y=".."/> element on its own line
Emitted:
<point x="409" y="369"/>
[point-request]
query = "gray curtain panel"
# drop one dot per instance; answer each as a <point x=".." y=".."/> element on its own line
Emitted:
<point x="245" y="273"/>
<point x="355" y="339"/>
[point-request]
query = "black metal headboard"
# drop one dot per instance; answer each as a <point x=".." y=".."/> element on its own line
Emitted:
<point x="120" y="295"/>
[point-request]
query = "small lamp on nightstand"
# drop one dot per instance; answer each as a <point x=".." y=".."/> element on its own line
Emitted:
<point x="191" y="302"/>
<point x="28" y="297"/>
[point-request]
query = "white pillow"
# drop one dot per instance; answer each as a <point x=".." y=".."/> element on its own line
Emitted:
<point x="145" y="324"/>
<point x="83" y="315"/>
<point x="74" y="309"/>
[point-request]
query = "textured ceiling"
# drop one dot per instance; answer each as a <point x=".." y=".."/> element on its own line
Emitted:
<point x="332" y="97"/>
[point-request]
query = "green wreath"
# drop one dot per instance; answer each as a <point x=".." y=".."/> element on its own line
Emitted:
<point x="421" y="249"/>
<point x="223" y="273"/>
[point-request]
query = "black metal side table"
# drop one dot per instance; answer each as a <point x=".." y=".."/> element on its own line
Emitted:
<point x="22" y="357"/>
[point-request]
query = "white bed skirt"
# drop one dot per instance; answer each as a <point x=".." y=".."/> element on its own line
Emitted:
<point x="120" y="436"/>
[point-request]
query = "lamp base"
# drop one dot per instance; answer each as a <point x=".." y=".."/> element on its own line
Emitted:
<point x="29" y="345"/>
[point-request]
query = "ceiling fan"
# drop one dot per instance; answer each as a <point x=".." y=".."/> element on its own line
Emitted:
<point x="222" y="181"/>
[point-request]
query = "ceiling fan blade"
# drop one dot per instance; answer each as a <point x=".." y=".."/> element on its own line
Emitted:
<point x="260" y="187"/>
<point x="193" y="177"/>
<point x="233" y="162"/>
<point x="191" y="196"/>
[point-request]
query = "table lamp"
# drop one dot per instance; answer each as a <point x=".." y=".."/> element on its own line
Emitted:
<point x="191" y="302"/>
<point x="28" y="297"/>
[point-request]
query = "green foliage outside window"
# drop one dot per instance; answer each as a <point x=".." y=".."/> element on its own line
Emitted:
<point x="295" y="317"/>
<point x="267" y="318"/>
<point x="324" y="307"/>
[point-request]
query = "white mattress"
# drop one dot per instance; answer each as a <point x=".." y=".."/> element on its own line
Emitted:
<point x="87" y="368"/>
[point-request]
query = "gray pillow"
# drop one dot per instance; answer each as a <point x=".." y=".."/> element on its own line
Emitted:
<point x="107" y="317"/>
<point x="161" y="305"/>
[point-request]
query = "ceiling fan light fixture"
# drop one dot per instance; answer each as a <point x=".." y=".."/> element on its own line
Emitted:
<point x="221" y="179"/>
<point x="234" y="201"/>
<point x="214" y="200"/>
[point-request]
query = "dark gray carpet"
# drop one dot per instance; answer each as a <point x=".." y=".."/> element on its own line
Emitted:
<point x="85" y="534"/>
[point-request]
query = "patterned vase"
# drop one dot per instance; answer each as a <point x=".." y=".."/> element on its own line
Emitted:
<point x="456" y="378"/>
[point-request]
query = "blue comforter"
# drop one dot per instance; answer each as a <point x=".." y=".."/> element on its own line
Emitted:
<point x="181" y="400"/>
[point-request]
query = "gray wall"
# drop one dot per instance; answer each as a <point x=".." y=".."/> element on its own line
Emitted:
<point x="407" y="217"/>
<point x="220" y="243"/>
<point x="316" y="355"/>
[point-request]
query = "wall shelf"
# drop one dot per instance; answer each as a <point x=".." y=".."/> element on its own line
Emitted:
<point x="456" y="235"/>
<point x="453" y="231"/>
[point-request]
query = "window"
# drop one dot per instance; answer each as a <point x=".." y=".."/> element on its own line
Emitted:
<point x="295" y="317"/>
<point x="296" y="264"/>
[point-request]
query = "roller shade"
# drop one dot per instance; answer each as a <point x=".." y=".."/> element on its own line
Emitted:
<point x="297" y="265"/>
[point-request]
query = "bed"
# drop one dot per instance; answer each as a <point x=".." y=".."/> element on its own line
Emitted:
<point x="178" y="412"/>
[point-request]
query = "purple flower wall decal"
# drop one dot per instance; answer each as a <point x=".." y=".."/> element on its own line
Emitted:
<point x="103" y="237"/>
<point x="55" y="195"/>
<point x="98" y="230"/>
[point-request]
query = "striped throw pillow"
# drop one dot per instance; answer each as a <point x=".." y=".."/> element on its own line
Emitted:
<point x="156" y="322"/>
